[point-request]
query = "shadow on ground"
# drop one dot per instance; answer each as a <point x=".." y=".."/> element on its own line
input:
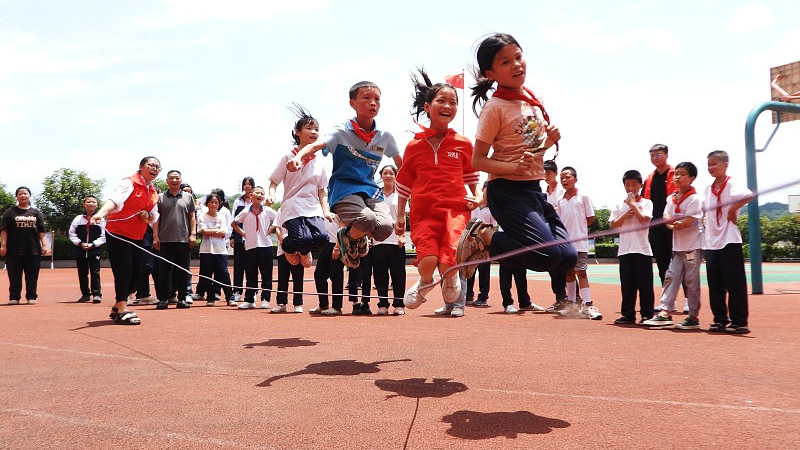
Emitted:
<point x="344" y="367"/>
<point x="420" y="388"/>
<point x="283" y="343"/>
<point x="476" y="425"/>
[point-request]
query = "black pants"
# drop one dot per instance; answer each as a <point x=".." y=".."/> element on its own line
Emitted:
<point x="89" y="268"/>
<point x="304" y="234"/>
<point x="558" y="284"/>
<point x="520" y="277"/>
<point x="238" y="266"/>
<point x="483" y="273"/>
<point x="660" y="238"/>
<point x="389" y="260"/>
<point x="725" y="274"/>
<point x="360" y="278"/>
<point x="17" y="265"/>
<point x="636" y="275"/>
<point x="170" y="277"/>
<point x="216" y="266"/>
<point x="296" y="272"/>
<point x="332" y="269"/>
<point x="258" y="260"/>
<point x="125" y="258"/>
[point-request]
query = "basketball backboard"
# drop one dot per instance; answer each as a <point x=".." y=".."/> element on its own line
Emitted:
<point x="794" y="204"/>
<point x="789" y="81"/>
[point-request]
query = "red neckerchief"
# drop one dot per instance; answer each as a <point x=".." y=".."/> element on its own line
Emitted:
<point x="685" y="196"/>
<point x="718" y="194"/>
<point x="306" y="159"/>
<point x="362" y="134"/>
<point x="430" y="132"/>
<point x="571" y="197"/>
<point x="258" y="222"/>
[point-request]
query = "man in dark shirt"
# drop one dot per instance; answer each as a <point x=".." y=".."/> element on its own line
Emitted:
<point x="658" y="186"/>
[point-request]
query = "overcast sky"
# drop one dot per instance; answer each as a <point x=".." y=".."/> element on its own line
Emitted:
<point x="204" y="85"/>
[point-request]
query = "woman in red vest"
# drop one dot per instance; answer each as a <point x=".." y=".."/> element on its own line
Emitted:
<point x="131" y="207"/>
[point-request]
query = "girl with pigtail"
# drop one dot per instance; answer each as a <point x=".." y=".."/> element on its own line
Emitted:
<point x="436" y="166"/>
<point x="304" y="208"/>
<point x="514" y="124"/>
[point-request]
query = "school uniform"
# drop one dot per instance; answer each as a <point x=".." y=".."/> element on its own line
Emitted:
<point x="687" y="254"/>
<point x="258" y="250"/>
<point x="635" y="260"/>
<point x="82" y="231"/>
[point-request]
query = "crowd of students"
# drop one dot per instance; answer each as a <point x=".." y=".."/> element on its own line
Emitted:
<point x="352" y="222"/>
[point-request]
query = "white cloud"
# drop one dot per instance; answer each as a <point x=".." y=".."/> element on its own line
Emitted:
<point x="751" y="17"/>
<point x="662" y="40"/>
<point x="784" y="52"/>
<point x="192" y="11"/>
<point x="23" y="53"/>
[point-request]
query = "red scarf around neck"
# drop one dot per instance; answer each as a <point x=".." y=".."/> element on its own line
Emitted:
<point x="429" y="132"/>
<point x="258" y="222"/>
<point x="362" y="134"/>
<point x="677" y="202"/>
<point x="510" y="94"/>
<point x="306" y="159"/>
<point x="718" y="194"/>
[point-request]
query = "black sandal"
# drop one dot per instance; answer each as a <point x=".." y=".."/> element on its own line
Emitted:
<point x="127" y="318"/>
<point x="114" y="313"/>
<point x="736" y="329"/>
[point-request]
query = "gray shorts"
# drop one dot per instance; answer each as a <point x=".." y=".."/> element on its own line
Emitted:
<point x="583" y="262"/>
<point x="369" y="215"/>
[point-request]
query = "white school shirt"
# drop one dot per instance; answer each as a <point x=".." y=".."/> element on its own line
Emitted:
<point x="632" y="233"/>
<point x="248" y="220"/>
<point x="391" y="200"/>
<point x="557" y="193"/>
<point x="484" y="214"/>
<point x="687" y="239"/>
<point x="301" y="188"/>
<point x="573" y="213"/>
<point x="215" y="245"/>
<point x="719" y="233"/>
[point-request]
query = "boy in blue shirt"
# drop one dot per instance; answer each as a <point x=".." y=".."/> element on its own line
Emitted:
<point x="358" y="148"/>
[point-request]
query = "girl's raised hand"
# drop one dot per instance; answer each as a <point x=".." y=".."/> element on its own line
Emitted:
<point x="293" y="165"/>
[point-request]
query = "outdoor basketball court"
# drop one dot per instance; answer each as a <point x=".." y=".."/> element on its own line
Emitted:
<point x="219" y="378"/>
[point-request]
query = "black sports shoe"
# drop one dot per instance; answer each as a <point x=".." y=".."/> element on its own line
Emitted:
<point x="162" y="305"/>
<point x="365" y="311"/>
<point x="183" y="305"/>
<point x="624" y="321"/>
<point x="357" y="309"/>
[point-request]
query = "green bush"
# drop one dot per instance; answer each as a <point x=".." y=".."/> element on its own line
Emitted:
<point x="606" y="250"/>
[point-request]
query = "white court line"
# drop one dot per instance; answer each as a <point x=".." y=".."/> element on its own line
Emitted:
<point x="216" y="371"/>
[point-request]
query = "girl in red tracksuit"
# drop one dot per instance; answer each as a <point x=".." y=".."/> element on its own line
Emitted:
<point x="437" y="164"/>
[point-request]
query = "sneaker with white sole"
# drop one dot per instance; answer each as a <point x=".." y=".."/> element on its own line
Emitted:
<point x="532" y="307"/>
<point x="451" y="289"/>
<point x="13" y="302"/>
<point x="349" y="249"/>
<point x="556" y="307"/>
<point x="331" y="312"/>
<point x="278" y="309"/>
<point x="31" y="301"/>
<point x="444" y="310"/>
<point x="132" y="300"/>
<point x="297" y="309"/>
<point x="232" y="302"/>
<point x="189" y="299"/>
<point x="399" y="311"/>
<point x="264" y="304"/>
<point x="148" y="301"/>
<point x="416" y="296"/>
<point x="383" y="311"/>
<point x="210" y="303"/>
<point x="247" y="305"/>
<point x="363" y="246"/>
<point x="457" y="312"/>
<point x="570" y="310"/>
<point x="511" y="309"/>
<point x="659" y="321"/>
<point x="690" y="323"/>
<point x="591" y="312"/>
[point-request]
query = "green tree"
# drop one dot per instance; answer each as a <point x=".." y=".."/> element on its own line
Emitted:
<point x="7" y="199"/>
<point x="62" y="196"/>
<point x="601" y="224"/>
<point x="161" y="185"/>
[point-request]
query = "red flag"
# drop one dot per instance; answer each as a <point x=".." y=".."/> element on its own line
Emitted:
<point x="456" y="80"/>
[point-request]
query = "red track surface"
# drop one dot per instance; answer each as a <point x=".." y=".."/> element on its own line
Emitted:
<point x="219" y="378"/>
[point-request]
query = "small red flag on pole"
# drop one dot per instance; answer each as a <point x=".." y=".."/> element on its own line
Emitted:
<point x="456" y="80"/>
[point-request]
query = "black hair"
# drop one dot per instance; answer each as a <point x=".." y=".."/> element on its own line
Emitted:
<point x="147" y="158"/>
<point x="632" y="175"/>
<point x="550" y="165"/>
<point x="425" y="91"/>
<point x="91" y="196"/>
<point x="303" y="118"/>
<point x="691" y="168"/>
<point x="16" y="192"/>
<point x="221" y="195"/>
<point x="660" y="148"/>
<point x="184" y="185"/>
<point x="362" y="84"/>
<point x="485" y="54"/>
<point x="721" y="155"/>
<point x="175" y="171"/>
<point x="248" y="180"/>
<point x="571" y="170"/>
<point x="390" y="166"/>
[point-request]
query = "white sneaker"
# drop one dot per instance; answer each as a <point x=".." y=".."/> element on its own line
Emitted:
<point x="383" y="311"/>
<point x="316" y="310"/>
<point x="457" y="312"/>
<point x="237" y="298"/>
<point x="264" y="304"/>
<point x="232" y="302"/>
<point x="571" y="309"/>
<point x="444" y="310"/>
<point x="511" y="309"/>
<point x="298" y="309"/>
<point x="132" y="300"/>
<point x="148" y="301"/>
<point x="277" y="309"/>
<point x="247" y="305"/>
<point x="210" y="303"/>
<point x="532" y="307"/>
<point x="451" y="289"/>
<point x="189" y="299"/>
<point x="591" y="312"/>
<point x="416" y="296"/>
<point x="399" y="311"/>
<point x="332" y="312"/>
